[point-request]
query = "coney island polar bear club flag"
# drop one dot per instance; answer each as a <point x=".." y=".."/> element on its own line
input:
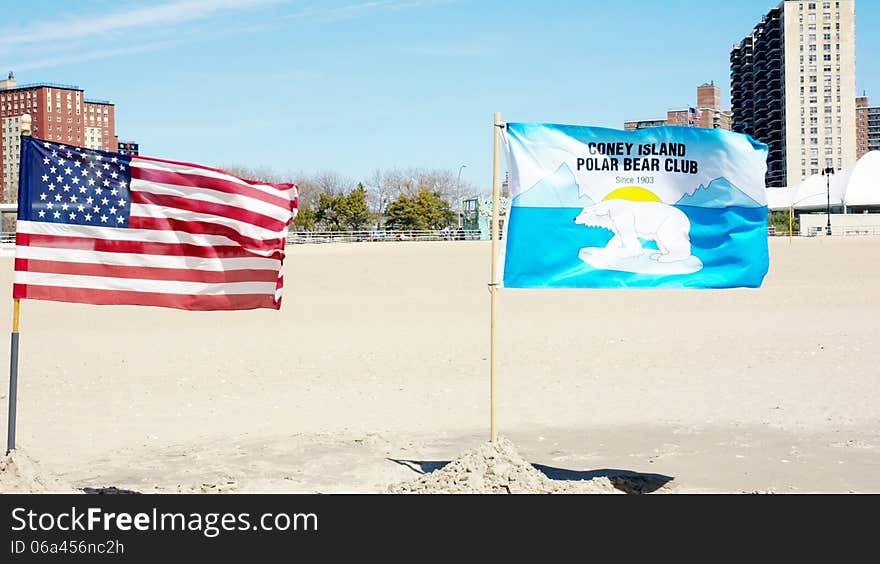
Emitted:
<point x="666" y="207"/>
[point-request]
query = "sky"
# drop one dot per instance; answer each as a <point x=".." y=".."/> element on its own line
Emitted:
<point x="351" y="86"/>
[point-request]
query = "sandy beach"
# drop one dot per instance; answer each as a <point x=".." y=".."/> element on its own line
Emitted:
<point x="376" y="370"/>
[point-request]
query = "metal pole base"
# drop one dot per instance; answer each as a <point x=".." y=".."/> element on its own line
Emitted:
<point x="13" y="392"/>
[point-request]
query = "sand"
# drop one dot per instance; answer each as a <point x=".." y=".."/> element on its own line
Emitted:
<point x="497" y="468"/>
<point x="375" y="373"/>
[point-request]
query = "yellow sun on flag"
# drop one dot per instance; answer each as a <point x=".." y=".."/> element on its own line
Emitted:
<point x="633" y="194"/>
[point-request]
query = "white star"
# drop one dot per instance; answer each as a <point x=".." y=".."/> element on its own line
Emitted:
<point x="45" y="178"/>
<point x="54" y="153"/>
<point x="114" y="175"/>
<point x="104" y="219"/>
<point x="122" y="184"/>
<point x="88" y="217"/>
<point x="120" y="219"/>
<point x="53" y="170"/>
<point x="81" y="208"/>
<point x="113" y="160"/>
<point x="43" y="196"/>
<point x="89" y="200"/>
<point x="42" y="213"/>
<point x="122" y="167"/>
<point x="75" y="163"/>
<point x="67" y="188"/>
<point x="96" y="209"/>
<point x="46" y="160"/>
<point x="51" y="186"/>
<point x="64" y="206"/>
<point x="112" y="211"/>
<point x="105" y="201"/>
<point x="61" y="162"/>
<point x="56" y="215"/>
<point x="75" y="180"/>
<point x="106" y="183"/>
<point x="91" y="164"/>
<point x="121" y="203"/>
<point x="68" y="171"/>
<point x="85" y="172"/>
<point x="59" y="178"/>
<point x="98" y="157"/>
<point x="72" y="215"/>
<point x="91" y="181"/>
<point x="73" y="198"/>
<point x="106" y="166"/>
<point x="57" y="197"/>
<point x="114" y="192"/>
<point x="50" y="205"/>
<point x="68" y="154"/>
<point x="99" y="174"/>
<point x="82" y="189"/>
<point x="46" y="145"/>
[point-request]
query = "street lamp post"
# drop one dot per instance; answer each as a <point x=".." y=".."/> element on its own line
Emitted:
<point x="828" y="172"/>
<point x="458" y="191"/>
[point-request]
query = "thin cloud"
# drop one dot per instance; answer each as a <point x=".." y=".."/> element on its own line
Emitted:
<point x="461" y="49"/>
<point x="170" y="13"/>
<point x="96" y="55"/>
<point x="354" y="10"/>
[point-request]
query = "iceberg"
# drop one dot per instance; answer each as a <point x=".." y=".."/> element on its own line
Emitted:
<point x="720" y="193"/>
<point x="559" y="190"/>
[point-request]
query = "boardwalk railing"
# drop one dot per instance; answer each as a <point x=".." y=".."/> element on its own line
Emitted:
<point x="838" y="231"/>
<point x="313" y="237"/>
<point x="306" y="237"/>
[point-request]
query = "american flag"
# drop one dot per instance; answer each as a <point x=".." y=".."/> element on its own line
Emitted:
<point x="104" y="228"/>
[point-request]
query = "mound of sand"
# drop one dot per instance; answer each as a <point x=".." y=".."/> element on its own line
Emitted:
<point x="20" y="474"/>
<point x="497" y="469"/>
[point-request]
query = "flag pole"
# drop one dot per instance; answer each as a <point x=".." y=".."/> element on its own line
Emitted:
<point x="13" y="377"/>
<point x="790" y="224"/>
<point x="13" y="348"/>
<point x="493" y="285"/>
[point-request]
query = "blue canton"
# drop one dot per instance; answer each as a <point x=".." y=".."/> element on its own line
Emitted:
<point x="73" y="185"/>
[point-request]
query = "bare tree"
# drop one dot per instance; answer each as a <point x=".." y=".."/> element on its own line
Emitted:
<point x="332" y="183"/>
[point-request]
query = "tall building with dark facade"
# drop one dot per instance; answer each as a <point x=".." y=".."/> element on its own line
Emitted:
<point x="58" y="113"/>
<point x="793" y="88"/>
<point x="867" y="126"/>
<point x="873" y="128"/>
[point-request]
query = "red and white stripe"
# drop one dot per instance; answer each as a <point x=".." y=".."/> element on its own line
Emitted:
<point x="198" y="238"/>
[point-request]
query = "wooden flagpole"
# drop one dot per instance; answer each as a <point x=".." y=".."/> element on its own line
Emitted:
<point x="493" y="285"/>
<point x="16" y="311"/>
<point x="790" y="224"/>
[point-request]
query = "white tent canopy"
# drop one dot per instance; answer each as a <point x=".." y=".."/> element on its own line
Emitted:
<point x="857" y="185"/>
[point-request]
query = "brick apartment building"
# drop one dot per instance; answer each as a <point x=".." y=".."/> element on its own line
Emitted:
<point x="59" y="113"/>
<point x="707" y="113"/>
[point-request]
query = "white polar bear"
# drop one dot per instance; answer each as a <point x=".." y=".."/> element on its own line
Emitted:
<point x="666" y="225"/>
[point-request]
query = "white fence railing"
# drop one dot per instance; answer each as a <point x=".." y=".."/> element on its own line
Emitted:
<point x="845" y="231"/>
<point x="305" y="237"/>
<point x="308" y="237"/>
<point x="314" y="237"/>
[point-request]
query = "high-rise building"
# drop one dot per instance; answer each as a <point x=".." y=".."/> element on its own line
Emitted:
<point x="59" y="113"/>
<point x="793" y="82"/>
<point x="707" y="113"/>
<point x="873" y="128"/>
<point x="867" y="126"/>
